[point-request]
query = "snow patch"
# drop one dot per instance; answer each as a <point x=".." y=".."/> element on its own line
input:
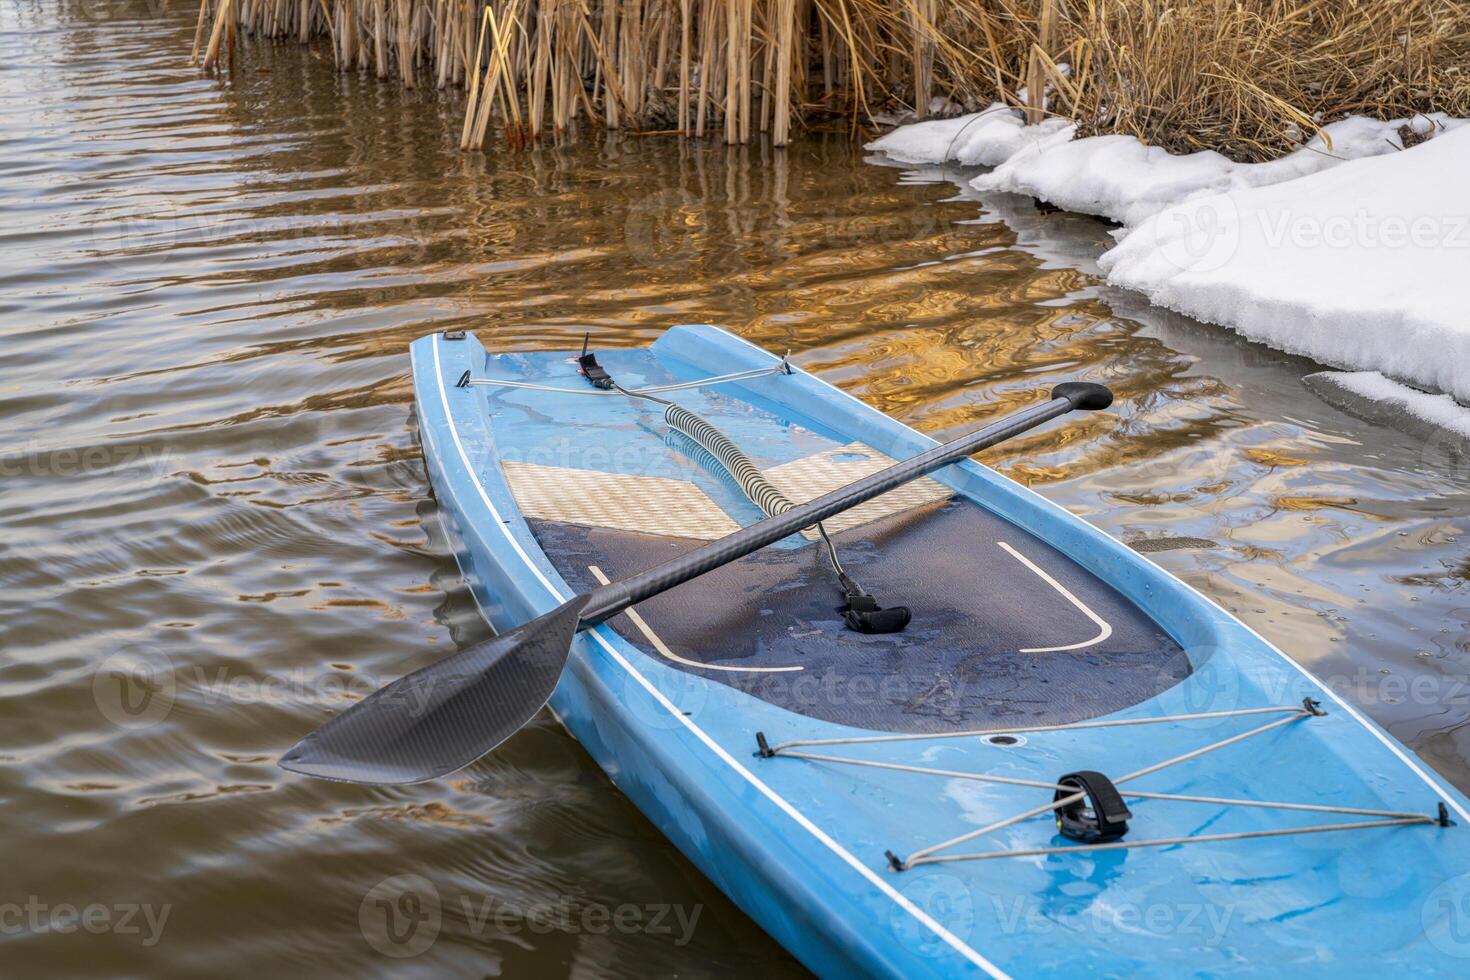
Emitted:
<point x="1387" y="398"/>
<point x="1360" y="267"/>
<point x="985" y="138"/>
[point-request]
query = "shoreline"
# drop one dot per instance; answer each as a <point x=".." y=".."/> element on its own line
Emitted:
<point x="1342" y="251"/>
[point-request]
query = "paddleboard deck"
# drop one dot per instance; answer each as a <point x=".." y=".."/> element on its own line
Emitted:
<point x="843" y="843"/>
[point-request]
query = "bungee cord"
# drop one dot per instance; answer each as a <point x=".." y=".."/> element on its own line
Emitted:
<point x="1067" y="794"/>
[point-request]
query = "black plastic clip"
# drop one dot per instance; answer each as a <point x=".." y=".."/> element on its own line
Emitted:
<point x="895" y="862"/>
<point x="786" y="363"/>
<point x="591" y="370"/>
<point x="454" y="335"/>
<point x="862" y="614"/>
<point x="464" y="380"/>
<point x="1314" y="707"/>
<point x="761" y="744"/>
<point x="1444" y="816"/>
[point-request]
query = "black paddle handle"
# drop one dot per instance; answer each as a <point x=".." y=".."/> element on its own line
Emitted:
<point x="613" y="598"/>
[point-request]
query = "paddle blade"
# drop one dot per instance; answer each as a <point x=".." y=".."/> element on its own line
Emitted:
<point x="444" y="716"/>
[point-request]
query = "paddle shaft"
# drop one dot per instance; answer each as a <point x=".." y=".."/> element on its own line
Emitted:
<point x="611" y="599"/>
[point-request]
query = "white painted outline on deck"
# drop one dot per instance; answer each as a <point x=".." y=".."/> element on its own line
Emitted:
<point x="1107" y="629"/>
<point x="668" y="654"/>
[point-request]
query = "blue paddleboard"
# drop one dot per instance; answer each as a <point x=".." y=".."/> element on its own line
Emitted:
<point x="885" y="804"/>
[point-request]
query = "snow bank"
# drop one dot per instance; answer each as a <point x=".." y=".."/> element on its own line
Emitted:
<point x="1361" y="267"/>
<point x="986" y="139"/>
<point x="1119" y="177"/>
<point x="1384" y="398"/>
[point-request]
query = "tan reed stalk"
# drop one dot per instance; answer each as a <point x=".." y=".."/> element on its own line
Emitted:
<point x="684" y="37"/>
<point x="475" y="107"/>
<point x="199" y="32"/>
<point x="744" y="48"/>
<point x="707" y="49"/>
<point x="221" y="18"/>
<point x="922" y="39"/>
<point x="732" y="71"/>
<point x="1036" y="73"/>
<point x="405" y="54"/>
<point x="785" y="44"/>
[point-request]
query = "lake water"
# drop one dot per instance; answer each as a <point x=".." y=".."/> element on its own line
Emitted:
<point x="212" y="483"/>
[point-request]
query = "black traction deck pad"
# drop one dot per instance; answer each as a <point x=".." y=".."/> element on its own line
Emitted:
<point x="958" y="664"/>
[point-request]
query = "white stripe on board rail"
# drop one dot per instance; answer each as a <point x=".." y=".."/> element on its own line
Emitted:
<point x="949" y="938"/>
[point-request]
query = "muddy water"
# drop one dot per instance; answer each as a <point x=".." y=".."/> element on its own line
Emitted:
<point x="215" y="527"/>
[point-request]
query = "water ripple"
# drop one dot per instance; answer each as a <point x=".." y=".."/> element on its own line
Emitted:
<point x="213" y="482"/>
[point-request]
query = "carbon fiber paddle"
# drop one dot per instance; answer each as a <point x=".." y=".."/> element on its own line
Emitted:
<point x="444" y="716"/>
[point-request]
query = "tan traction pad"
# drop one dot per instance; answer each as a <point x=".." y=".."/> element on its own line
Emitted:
<point x="622" y="501"/>
<point x="679" y="509"/>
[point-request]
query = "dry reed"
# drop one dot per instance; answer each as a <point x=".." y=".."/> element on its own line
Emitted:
<point x="1247" y="77"/>
<point x="1251" y="78"/>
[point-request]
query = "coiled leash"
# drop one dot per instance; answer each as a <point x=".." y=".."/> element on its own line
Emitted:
<point x="861" y="612"/>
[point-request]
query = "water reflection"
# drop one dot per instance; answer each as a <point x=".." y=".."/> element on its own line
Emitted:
<point x="211" y="473"/>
